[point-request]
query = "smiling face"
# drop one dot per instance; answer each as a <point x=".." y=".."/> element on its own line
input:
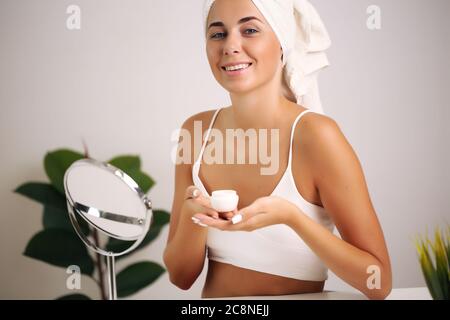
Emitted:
<point x="243" y="51"/>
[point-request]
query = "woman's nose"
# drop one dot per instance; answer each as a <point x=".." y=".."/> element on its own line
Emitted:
<point x="232" y="45"/>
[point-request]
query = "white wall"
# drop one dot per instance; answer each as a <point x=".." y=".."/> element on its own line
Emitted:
<point x="137" y="69"/>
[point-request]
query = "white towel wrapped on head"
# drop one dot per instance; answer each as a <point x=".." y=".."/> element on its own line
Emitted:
<point x="303" y="38"/>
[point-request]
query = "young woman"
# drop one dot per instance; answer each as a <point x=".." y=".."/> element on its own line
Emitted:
<point x="266" y="54"/>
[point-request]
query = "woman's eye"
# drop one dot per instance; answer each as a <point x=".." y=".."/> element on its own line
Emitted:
<point x="220" y="35"/>
<point x="253" y="31"/>
<point x="217" y="35"/>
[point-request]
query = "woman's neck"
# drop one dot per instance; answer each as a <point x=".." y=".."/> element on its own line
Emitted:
<point x="259" y="111"/>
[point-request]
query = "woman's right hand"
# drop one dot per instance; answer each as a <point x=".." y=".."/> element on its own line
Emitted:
<point x="195" y="202"/>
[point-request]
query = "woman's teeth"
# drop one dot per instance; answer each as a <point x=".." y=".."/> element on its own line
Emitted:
<point x="237" y="67"/>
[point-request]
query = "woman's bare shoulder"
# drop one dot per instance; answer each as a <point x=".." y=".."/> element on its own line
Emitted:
<point x="200" y="120"/>
<point x="315" y="123"/>
<point x="204" y="117"/>
<point x="310" y="122"/>
<point x="194" y="128"/>
<point x="322" y="141"/>
<point x="316" y="133"/>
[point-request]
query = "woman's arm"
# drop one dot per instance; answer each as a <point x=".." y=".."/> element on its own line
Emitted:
<point x="185" y="251"/>
<point x="343" y="191"/>
<point x="184" y="255"/>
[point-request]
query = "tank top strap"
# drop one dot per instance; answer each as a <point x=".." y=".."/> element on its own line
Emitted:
<point x="292" y="134"/>
<point x="207" y="134"/>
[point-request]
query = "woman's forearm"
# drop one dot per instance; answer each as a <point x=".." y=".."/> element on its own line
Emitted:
<point x="184" y="255"/>
<point x="351" y="264"/>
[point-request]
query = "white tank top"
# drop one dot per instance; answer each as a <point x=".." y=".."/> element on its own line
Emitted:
<point x="276" y="249"/>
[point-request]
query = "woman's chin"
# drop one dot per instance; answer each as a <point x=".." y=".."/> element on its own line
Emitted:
<point x="238" y="88"/>
<point x="239" y="92"/>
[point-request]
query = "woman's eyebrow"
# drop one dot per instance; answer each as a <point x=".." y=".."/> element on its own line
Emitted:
<point x="243" y="20"/>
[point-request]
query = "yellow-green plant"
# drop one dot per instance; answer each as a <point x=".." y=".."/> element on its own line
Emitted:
<point x="434" y="260"/>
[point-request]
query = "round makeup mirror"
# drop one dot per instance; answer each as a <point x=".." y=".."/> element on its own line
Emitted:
<point x="109" y="201"/>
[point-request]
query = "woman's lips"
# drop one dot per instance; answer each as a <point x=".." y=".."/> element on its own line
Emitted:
<point x="237" y="72"/>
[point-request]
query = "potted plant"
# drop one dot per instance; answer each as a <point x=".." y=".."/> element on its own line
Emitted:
<point x="434" y="258"/>
<point x="59" y="245"/>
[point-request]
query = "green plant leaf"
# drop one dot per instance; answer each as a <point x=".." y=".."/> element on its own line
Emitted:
<point x="56" y="163"/>
<point x="61" y="248"/>
<point x="58" y="219"/>
<point x="144" y="181"/>
<point x="424" y="264"/>
<point x="441" y="263"/>
<point x="126" y="162"/>
<point x="55" y="207"/>
<point x="75" y="296"/>
<point x="116" y="245"/>
<point x="44" y="193"/>
<point x="136" y="277"/>
<point x="131" y="165"/>
<point x="447" y="249"/>
<point x="160" y="218"/>
<point x="430" y="274"/>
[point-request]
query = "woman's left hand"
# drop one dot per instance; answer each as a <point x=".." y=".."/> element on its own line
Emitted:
<point x="262" y="212"/>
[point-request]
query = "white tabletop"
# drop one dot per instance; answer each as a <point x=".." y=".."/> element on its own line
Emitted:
<point x="421" y="293"/>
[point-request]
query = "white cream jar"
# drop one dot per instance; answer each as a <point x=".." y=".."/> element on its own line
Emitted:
<point x="224" y="200"/>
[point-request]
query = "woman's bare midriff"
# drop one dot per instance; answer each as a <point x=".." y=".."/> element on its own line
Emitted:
<point x="225" y="280"/>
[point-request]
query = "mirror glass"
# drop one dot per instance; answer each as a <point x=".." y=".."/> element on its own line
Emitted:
<point x="107" y="199"/>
